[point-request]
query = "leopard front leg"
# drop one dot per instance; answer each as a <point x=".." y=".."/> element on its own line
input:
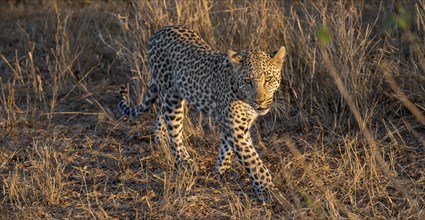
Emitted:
<point x="238" y="136"/>
<point x="248" y="157"/>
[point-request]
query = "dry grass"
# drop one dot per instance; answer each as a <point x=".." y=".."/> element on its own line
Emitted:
<point x="345" y="138"/>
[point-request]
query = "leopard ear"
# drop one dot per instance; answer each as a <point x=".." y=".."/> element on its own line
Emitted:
<point x="234" y="57"/>
<point x="279" y="56"/>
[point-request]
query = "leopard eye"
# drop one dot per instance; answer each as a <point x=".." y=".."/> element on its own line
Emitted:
<point x="247" y="80"/>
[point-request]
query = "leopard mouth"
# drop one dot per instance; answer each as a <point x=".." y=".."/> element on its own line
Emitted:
<point x="262" y="110"/>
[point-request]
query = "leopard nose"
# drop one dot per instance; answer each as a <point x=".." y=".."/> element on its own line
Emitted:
<point x="261" y="98"/>
<point x="260" y="104"/>
<point x="259" y="101"/>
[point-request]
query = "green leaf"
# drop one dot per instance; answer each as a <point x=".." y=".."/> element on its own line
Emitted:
<point x="402" y="18"/>
<point x="323" y="35"/>
<point x="100" y="117"/>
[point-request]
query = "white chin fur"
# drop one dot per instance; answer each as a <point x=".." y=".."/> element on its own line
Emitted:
<point x="263" y="112"/>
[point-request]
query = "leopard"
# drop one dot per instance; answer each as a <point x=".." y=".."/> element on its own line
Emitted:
<point x="233" y="88"/>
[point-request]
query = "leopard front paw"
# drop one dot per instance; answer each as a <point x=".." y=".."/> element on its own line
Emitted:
<point x="262" y="190"/>
<point x="262" y="193"/>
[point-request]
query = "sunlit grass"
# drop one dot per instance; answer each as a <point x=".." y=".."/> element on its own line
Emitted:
<point x="344" y="139"/>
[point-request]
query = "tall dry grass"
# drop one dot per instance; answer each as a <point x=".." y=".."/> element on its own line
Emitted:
<point x="345" y="137"/>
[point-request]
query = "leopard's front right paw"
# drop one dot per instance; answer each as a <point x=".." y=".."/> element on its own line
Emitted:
<point x="262" y="193"/>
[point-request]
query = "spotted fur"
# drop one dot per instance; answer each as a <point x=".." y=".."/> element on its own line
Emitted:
<point x="233" y="88"/>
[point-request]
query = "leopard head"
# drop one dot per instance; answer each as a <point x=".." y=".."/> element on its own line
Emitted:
<point x="257" y="76"/>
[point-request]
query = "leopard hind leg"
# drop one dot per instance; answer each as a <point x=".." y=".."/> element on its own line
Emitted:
<point x="172" y="108"/>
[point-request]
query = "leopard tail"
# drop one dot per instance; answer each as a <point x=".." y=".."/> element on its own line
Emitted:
<point x="124" y="104"/>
